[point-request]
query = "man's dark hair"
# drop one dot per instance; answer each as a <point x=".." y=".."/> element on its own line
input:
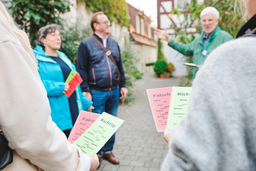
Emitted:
<point x="95" y="19"/>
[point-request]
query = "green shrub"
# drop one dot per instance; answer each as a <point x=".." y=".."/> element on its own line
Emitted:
<point x="116" y="10"/>
<point x="131" y="71"/>
<point x="72" y="37"/>
<point x="30" y="15"/>
<point x="160" y="54"/>
<point x="160" y="67"/>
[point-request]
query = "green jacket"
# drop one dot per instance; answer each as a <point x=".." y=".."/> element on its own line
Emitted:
<point x="195" y="48"/>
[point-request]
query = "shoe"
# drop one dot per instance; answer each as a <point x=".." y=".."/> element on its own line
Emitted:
<point x="111" y="158"/>
<point x="99" y="162"/>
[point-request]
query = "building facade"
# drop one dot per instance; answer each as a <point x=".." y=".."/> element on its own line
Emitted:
<point x="169" y="20"/>
<point x="142" y="38"/>
<point x="139" y="35"/>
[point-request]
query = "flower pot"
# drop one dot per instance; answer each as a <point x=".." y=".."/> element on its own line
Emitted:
<point x="164" y="75"/>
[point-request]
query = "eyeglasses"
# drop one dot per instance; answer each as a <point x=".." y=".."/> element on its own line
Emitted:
<point x="104" y="22"/>
<point x="56" y="35"/>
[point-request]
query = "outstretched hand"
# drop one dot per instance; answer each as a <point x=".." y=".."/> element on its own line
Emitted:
<point x="162" y="35"/>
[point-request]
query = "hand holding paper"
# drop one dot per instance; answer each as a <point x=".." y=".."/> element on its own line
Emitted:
<point x="98" y="133"/>
<point x="159" y="100"/>
<point x="66" y="88"/>
<point x="192" y="65"/>
<point x="83" y="122"/>
<point x="168" y="105"/>
<point x="178" y="106"/>
<point x="73" y="81"/>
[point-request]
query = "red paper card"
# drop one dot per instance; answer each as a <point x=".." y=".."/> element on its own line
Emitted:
<point x="73" y="84"/>
<point x="83" y="122"/>
<point x="159" y="100"/>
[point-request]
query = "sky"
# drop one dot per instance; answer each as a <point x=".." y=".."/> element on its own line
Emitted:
<point x="148" y="6"/>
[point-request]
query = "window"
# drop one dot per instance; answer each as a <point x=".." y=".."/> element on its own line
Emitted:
<point x="182" y="3"/>
<point x="137" y="24"/>
<point x="149" y="31"/>
<point x="142" y="26"/>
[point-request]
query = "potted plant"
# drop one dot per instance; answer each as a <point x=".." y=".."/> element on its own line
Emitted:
<point x="160" y="67"/>
<point x="165" y="75"/>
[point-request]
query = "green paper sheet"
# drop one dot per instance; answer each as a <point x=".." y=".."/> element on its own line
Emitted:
<point x="178" y="105"/>
<point x="70" y="76"/>
<point x="98" y="133"/>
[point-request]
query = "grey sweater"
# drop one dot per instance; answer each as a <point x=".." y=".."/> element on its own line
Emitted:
<point x="219" y="131"/>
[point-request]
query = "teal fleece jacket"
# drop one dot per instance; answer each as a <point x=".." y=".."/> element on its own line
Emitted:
<point x="54" y="83"/>
<point x="195" y="47"/>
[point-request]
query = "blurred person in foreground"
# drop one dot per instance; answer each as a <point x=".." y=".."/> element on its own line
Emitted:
<point x="54" y="68"/>
<point x="103" y="76"/>
<point x="218" y="132"/>
<point x="204" y="44"/>
<point x="36" y="141"/>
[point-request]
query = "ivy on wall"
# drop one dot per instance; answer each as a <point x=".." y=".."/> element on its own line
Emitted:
<point x="116" y="10"/>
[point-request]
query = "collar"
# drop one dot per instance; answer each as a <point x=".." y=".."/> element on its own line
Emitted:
<point x="204" y="35"/>
<point x="103" y="39"/>
<point x="210" y="36"/>
<point x="214" y="31"/>
<point x="40" y="54"/>
<point x="249" y="28"/>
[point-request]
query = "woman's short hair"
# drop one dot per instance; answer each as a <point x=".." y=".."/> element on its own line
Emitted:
<point x="43" y="31"/>
<point x="95" y="19"/>
<point x="210" y="10"/>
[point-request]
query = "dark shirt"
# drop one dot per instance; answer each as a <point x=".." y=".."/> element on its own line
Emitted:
<point x="72" y="99"/>
<point x="205" y="40"/>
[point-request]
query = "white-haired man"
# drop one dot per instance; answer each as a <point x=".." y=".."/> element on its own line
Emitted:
<point x="204" y="44"/>
<point x="218" y="132"/>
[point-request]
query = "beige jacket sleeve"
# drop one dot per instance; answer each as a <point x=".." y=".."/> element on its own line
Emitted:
<point x="25" y="112"/>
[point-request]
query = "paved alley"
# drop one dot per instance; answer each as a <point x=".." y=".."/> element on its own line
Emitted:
<point x="139" y="147"/>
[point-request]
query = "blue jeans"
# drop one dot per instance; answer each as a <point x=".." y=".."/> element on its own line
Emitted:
<point x="106" y="101"/>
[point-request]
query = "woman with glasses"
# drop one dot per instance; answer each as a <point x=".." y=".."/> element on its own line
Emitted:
<point x="54" y="67"/>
